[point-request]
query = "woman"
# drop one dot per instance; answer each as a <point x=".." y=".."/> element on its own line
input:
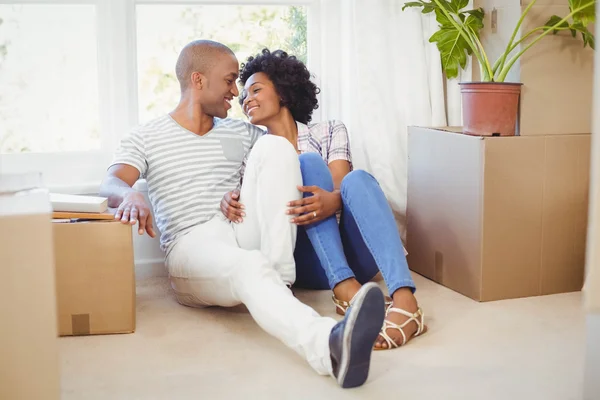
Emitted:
<point x="279" y="95"/>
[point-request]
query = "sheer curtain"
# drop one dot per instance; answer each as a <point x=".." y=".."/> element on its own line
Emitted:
<point x="379" y="74"/>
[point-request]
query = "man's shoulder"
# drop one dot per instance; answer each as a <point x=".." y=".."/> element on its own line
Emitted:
<point x="234" y="125"/>
<point x="154" y="126"/>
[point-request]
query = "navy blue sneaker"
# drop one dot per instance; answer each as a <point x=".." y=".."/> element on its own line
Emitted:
<point x="352" y="339"/>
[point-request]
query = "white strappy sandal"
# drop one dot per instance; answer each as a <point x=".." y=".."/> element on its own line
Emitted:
<point x="341" y="306"/>
<point x="418" y="317"/>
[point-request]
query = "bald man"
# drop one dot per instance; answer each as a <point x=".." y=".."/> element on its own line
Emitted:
<point x="190" y="158"/>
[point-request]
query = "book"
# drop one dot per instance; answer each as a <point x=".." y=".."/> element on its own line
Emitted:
<point x="78" y="203"/>
<point x="70" y="216"/>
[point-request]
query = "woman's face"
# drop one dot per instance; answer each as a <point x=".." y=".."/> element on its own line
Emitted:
<point x="261" y="101"/>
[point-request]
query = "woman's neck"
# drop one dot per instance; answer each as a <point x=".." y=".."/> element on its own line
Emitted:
<point x="284" y="126"/>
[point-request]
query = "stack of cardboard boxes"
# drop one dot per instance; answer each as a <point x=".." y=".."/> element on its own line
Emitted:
<point x="29" y="366"/>
<point x="505" y="217"/>
<point x="59" y="277"/>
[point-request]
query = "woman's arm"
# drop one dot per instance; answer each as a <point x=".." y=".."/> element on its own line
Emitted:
<point x="323" y="202"/>
<point x="339" y="169"/>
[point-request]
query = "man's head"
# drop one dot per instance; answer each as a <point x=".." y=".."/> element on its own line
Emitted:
<point x="207" y="72"/>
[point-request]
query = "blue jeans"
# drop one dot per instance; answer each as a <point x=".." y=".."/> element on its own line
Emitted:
<point x="365" y="241"/>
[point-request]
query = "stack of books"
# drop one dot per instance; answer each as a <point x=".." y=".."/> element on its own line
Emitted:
<point x="71" y="206"/>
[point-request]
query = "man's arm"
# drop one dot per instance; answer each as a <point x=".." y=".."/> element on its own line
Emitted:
<point x="118" y="183"/>
<point x="117" y="186"/>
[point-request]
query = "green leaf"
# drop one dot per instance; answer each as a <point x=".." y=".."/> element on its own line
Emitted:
<point x="441" y="18"/>
<point x="588" y="37"/>
<point x="555" y="19"/>
<point x="477" y="13"/>
<point x="412" y="4"/>
<point x="427" y="7"/>
<point x="585" y="16"/>
<point x="457" y="5"/>
<point x="475" y="20"/>
<point x="452" y="46"/>
<point x="576" y="26"/>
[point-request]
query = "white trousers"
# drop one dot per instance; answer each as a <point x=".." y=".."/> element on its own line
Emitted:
<point x="224" y="264"/>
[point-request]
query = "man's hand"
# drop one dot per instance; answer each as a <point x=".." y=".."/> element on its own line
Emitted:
<point x="231" y="207"/>
<point x="321" y="205"/>
<point x="132" y="209"/>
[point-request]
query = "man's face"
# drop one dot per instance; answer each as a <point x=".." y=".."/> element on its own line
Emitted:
<point x="220" y="86"/>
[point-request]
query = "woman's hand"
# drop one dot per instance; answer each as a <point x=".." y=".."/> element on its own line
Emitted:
<point x="231" y="207"/>
<point x="321" y="205"/>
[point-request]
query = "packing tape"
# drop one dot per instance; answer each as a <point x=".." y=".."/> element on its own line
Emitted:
<point x="80" y="324"/>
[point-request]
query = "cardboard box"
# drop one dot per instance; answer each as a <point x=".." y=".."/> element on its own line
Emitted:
<point x="498" y="217"/>
<point x="29" y="361"/>
<point x="95" y="278"/>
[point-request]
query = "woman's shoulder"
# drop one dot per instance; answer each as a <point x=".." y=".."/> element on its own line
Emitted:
<point x="326" y="127"/>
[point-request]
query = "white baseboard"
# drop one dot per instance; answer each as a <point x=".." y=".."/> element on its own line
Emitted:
<point x="151" y="268"/>
<point x="591" y="388"/>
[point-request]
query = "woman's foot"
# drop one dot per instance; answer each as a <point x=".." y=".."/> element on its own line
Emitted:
<point x="343" y="292"/>
<point x="403" y="300"/>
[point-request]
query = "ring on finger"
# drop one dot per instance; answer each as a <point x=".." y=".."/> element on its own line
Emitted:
<point x="314" y="214"/>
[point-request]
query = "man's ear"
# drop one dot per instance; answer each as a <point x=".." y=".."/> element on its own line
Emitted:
<point x="198" y="80"/>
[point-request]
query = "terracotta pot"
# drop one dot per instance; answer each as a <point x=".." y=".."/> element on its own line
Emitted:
<point x="490" y="108"/>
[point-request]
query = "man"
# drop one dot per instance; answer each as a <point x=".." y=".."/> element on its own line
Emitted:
<point x="190" y="158"/>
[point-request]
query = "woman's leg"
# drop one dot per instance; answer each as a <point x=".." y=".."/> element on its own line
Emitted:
<point x="370" y="235"/>
<point x="309" y="272"/>
<point x="324" y="242"/>
<point x="372" y="243"/>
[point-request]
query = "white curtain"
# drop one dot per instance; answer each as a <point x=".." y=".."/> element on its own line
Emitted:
<point x="379" y="74"/>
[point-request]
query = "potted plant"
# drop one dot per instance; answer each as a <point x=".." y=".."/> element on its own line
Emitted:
<point x="490" y="107"/>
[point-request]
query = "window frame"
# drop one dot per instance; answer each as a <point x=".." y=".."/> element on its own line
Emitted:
<point x="82" y="171"/>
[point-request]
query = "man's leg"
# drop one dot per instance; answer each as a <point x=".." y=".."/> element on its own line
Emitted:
<point x="207" y="265"/>
<point x="270" y="182"/>
<point x="207" y="268"/>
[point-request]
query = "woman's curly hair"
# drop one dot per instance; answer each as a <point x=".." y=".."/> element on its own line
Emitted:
<point x="291" y="79"/>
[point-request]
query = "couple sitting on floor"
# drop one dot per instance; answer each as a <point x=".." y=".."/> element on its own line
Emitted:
<point x="245" y="214"/>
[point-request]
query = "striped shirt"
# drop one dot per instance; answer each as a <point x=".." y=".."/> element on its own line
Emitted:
<point x="329" y="139"/>
<point x="187" y="174"/>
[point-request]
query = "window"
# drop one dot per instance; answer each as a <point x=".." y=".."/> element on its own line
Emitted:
<point x="77" y="75"/>
<point x="162" y="31"/>
<point x="49" y="78"/>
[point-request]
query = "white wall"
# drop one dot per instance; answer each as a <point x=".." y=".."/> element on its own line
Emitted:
<point x="592" y="358"/>
<point x="592" y="284"/>
<point x="149" y="258"/>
